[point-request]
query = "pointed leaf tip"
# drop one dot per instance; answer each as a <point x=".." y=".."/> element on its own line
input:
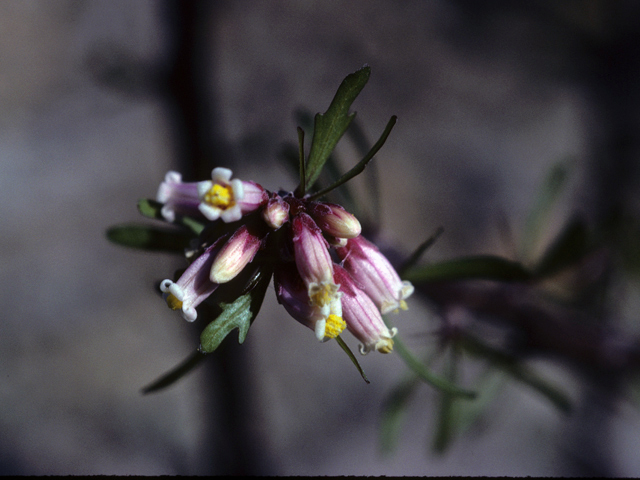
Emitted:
<point x="330" y="126"/>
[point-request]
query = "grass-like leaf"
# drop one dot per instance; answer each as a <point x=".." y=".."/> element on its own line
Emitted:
<point x="152" y="209"/>
<point x="426" y="375"/>
<point x="445" y="427"/>
<point x="393" y="412"/>
<point x="549" y="194"/>
<point x="149" y="238"/>
<point x="487" y="267"/>
<point x="330" y="126"/>
<point x="301" y="160"/>
<point x="352" y="357"/>
<point x="517" y="370"/>
<point x="423" y="247"/>
<point x="175" y="374"/>
<point x="360" y="166"/>
<point x="570" y="246"/>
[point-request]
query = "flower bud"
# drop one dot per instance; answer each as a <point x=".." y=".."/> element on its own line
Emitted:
<point x="234" y="255"/>
<point x="334" y="220"/>
<point x="362" y="316"/>
<point x="276" y="212"/>
<point x="311" y="251"/>
<point x="375" y="274"/>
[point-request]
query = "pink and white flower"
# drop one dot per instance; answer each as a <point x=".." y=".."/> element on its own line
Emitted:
<point x="227" y="199"/>
<point x="194" y="285"/>
<point x="371" y="269"/>
<point x="178" y="197"/>
<point x="362" y="316"/>
<point x="292" y="294"/>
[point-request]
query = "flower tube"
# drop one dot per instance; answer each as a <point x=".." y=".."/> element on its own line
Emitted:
<point x="362" y="316"/>
<point x="193" y="286"/>
<point x="178" y="197"/>
<point x="292" y="293"/>
<point x="375" y="274"/>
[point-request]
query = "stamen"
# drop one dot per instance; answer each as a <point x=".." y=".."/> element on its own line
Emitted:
<point x="323" y="294"/>
<point x="219" y="196"/>
<point x="384" y="345"/>
<point x="334" y="326"/>
<point x="173" y="302"/>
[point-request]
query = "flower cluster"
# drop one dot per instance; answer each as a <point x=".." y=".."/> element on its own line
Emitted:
<point x="326" y="274"/>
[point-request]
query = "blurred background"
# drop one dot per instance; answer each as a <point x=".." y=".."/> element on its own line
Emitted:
<point x="100" y="98"/>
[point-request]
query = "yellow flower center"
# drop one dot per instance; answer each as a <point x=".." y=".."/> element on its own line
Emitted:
<point x="173" y="302"/>
<point x="219" y="196"/>
<point x="334" y="327"/>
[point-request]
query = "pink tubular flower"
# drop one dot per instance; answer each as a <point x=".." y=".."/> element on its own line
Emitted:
<point x="228" y="199"/>
<point x="334" y="220"/>
<point x="178" y="197"/>
<point x="315" y="268"/>
<point x="292" y="293"/>
<point x="311" y="251"/>
<point x="375" y="274"/>
<point x="362" y="316"/>
<point x="193" y="286"/>
<point x="236" y="253"/>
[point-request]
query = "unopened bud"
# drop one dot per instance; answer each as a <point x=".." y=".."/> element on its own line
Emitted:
<point x="276" y="212"/>
<point x="334" y="220"/>
<point x="234" y="255"/>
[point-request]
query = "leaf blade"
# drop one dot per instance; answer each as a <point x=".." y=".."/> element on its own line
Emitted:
<point x="238" y="314"/>
<point x="488" y="267"/>
<point x="330" y="126"/>
<point x="148" y="238"/>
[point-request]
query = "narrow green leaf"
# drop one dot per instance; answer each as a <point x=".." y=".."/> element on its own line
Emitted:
<point x="330" y="126"/>
<point x="149" y="238"/>
<point x="370" y="212"/>
<point x="238" y="314"/>
<point x="425" y="375"/>
<point x="423" y="247"/>
<point x="548" y="196"/>
<point x="152" y="209"/>
<point x="446" y="412"/>
<point x="488" y="267"/>
<point x="517" y="370"/>
<point x="488" y="386"/>
<point x="301" y="160"/>
<point x="360" y="166"/>
<point x="394" y="411"/>
<point x="175" y="374"/>
<point x="352" y="357"/>
<point x="331" y="170"/>
<point x="569" y="247"/>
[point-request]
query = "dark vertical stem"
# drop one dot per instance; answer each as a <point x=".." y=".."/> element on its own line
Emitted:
<point x="611" y="76"/>
<point x="232" y="446"/>
<point x="185" y="88"/>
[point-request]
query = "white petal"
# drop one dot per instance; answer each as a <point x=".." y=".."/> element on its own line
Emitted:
<point x="212" y="213"/>
<point x="221" y="175"/>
